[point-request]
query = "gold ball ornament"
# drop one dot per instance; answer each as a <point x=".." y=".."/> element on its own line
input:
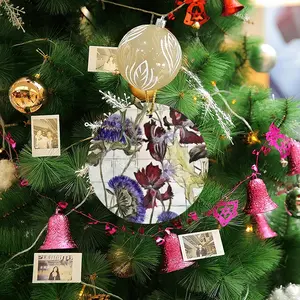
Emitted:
<point x="8" y="174"/>
<point x="142" y="95"/>
<point x="149" y="57"/>
<point x="121" y="263"/>
<point x="27" y="95"/>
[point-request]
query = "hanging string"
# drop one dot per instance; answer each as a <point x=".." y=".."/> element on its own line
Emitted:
<point x="143" y="10"/>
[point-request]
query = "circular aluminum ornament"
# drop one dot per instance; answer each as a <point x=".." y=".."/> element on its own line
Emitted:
<point x="147" y="170"/>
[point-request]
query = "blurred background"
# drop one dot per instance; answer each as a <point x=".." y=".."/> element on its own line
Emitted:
<point x="278" y="22"/>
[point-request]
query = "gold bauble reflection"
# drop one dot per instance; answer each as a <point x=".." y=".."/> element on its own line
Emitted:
<point x="27" y="95"/>
<point x="121" y="263"/>
<point x="140" y="94"/>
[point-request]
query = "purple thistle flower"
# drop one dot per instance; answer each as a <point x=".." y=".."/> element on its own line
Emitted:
<point x="130" y="198"/>
<point x="166" y="216"/>
<point x="113" y="130"/>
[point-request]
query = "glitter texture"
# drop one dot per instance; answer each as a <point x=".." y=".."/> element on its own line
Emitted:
<point x="264" y="231"/>
<point x="58" y="233"/>
<point x="173" y="260"/>
<point x="259" y="200"/>
<point x="294" y="159"/>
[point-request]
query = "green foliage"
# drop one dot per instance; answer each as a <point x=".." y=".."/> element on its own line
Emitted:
<point x="55" y="291"/>
<point x="179" y="95"/>
<point x="140" y="252"/>
<point x="42" y="173"/>
<point x="56" y="7"/>
<point x="97" y="264"/>
<point x="73" y="184"/>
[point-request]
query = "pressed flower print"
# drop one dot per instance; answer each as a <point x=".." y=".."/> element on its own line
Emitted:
<point x="147" y="170"/>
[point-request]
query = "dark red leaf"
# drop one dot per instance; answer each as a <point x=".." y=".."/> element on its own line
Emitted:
<point x="189" y="137"/>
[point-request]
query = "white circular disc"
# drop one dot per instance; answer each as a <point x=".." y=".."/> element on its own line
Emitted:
<point x="152" y="169"/>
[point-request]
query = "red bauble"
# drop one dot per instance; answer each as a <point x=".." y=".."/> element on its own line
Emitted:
<point x="231" y="7"/>
<point x="259" y="200"/>
<point x="58" y="233"/>
<point x="173" y="260"/>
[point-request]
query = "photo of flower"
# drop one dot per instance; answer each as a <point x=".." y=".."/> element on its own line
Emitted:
<point x="147" y="170"/>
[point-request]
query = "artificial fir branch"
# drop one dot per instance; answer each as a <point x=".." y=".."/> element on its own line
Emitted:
<point x="102" y="290"/>
<point x="285" y="115"/>
<point x="13" y="13"/>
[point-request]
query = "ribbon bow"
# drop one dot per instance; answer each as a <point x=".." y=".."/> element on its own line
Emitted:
<point x="11" y="141"/>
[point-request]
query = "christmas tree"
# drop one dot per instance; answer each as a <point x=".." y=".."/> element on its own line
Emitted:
<point x="51" y="78"/>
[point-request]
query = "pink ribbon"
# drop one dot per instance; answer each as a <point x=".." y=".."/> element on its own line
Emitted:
<point x="62" y="205"/>
<point x="110" y="230"/>
<point x="24" y="182"/>
<point x="192" y="217"/>
<point x="10" y="140"/>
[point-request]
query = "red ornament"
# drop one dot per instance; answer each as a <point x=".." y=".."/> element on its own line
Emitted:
<point x="263" y="230"/>
<point x="259" y="200"/>
<point x="173" y="260"/>
<point x="294" y="159"/>
<point x="58" y="233"/>
<point x="195" y="12"/>
<point x="231" y="7"/>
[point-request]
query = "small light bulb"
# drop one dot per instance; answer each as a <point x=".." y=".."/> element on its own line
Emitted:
<point x="249" y="228"/>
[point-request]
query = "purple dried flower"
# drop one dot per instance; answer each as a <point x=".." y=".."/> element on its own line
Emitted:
<point x="130" y="198"/>
<point x="166" y="216"/>
<point x="113" y="130"/>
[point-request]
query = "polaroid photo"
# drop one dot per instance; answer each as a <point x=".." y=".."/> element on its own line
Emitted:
<point x="102" y="59"/>
<point x="201" y="245"/>
<point x="45" y="135"/>
<point x="57" y="267"/>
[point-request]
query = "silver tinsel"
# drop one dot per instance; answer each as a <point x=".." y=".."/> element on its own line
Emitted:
<point x="290" y="292"/>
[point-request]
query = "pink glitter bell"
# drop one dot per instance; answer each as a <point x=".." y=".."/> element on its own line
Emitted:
<point x="294" y="159"/>
<point x="173" y="260"/>
<point x="259" y="200"/>
<point x="263" y="230"/>
<point x="58" y="233"/>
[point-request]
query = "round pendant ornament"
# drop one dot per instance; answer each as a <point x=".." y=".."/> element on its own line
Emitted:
<point x="147" y="170"/>
<point x="149" y="57"/>
<point x="27" y="95"/>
